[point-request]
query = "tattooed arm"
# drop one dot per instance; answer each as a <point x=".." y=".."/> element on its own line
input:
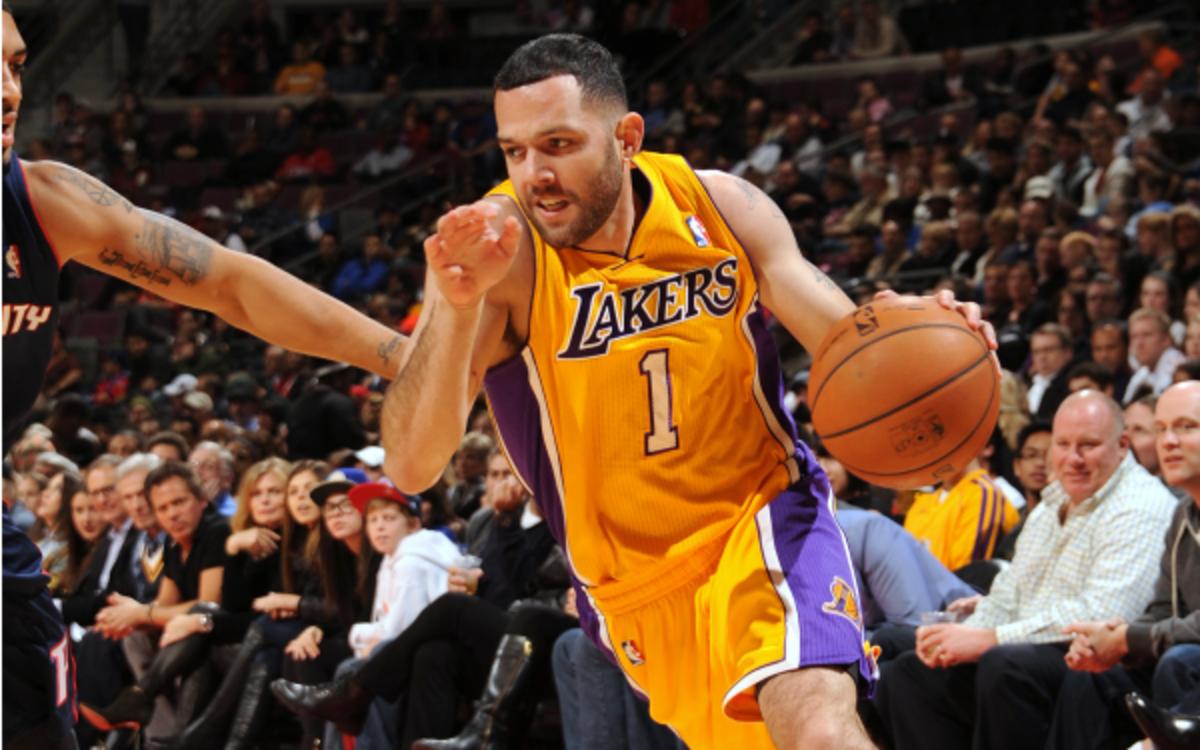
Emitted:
<point x="88" y="222"/>
<point x="806" y="300"/>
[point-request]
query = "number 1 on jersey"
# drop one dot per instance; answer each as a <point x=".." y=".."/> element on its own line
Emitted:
<point x="663" y="435"/>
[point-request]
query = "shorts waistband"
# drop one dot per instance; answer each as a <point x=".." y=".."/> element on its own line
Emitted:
<point x="656" y="582"/>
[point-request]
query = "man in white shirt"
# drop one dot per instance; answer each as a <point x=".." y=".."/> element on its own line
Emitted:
<point x="1089" y="550"/>
<point x="1051" y="353"/>
<point x="1151" y="348"/>
<point x="1147" y="112"/>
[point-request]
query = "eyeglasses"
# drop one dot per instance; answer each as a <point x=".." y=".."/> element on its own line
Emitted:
<point x="1030" y="455"/>
<point x="340" y="508"/>
<point x="1179" y="429"/>
<point x="101" y="491"/>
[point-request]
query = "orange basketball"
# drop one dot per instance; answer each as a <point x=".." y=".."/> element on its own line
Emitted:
<point x="903" y="393"/>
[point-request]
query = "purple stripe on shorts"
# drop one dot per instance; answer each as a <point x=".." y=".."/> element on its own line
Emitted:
<point x="818" y="572"/>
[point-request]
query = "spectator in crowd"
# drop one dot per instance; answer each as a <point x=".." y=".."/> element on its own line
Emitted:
<point x="388" y="156"/>
<point x="1139" y="429"/>
<point x="1154" y="653"/>
<point x="1184" y="260"/>
<point x="1051" y="358"/>
<point x="813" y="41"/>
<point x="364" y="274"/>
<point x="953" y="82"/>
<point x="1151" y="348"/>
<point x="1087" y="374"/>
<point x="325" y="113"/>
<point x="52" y="512"/>
<point x="470" y="469"/>
<point x="1072" y="167"/>
<point x="1147" y="111"/>
<point x="349" y="76"/>
<point x="197" y="139"/>
<point x="1104" y="298"/>
<point x="1109" y="344"/>
<point x="168" y="446"/>
<point x="214" y="469"/>
<point x="599" y="707"/>
<point x="1111" y="178"/>
<point x="193" y="570"/>
<point x="963" y="519"/>
<point x="876" y="34"/>
<point x="323" y="418"/>
<point x="303" y="74"/>
<point x="1032" y="470"/>
<point x="309" y="161"/>
<point x="1087" y="552"/>
<point x="1157" y="57"/>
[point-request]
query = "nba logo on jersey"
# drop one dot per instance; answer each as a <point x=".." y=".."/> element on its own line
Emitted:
<point x="12" y="259"/>
<point x="632" y="653"/>
<point x="698" y="231"/>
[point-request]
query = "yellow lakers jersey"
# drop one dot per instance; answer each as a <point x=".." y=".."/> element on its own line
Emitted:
<point x="645" y="411"/>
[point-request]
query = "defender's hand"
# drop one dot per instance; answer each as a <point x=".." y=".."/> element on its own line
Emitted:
<point x="467" y="254"/>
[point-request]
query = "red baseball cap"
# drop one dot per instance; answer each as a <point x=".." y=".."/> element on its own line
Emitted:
<point x="362" y="494"/>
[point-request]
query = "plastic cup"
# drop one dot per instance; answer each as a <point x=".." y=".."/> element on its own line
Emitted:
<point x="935" y="618"/>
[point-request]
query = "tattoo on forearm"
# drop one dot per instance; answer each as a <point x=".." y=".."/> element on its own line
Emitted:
<point x="96" y="191"/>
<point x="753" y="195"/>
<point x="822" y="277"/>
<point x="174" y="249"/>
<point x="133" y="267"/>
<point x="389" y="347"/>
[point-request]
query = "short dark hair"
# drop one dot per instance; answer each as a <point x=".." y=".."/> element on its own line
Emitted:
<point x="1191" y="367"/>
<point x="1102" y="375"/>
<point x="168" y="470"/>
<point x="1035" y="427"/>
<point x="168" y="437"/>
<point x="552" y="55"/>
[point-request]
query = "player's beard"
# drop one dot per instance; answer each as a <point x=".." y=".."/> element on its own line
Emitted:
<point x="603" y="195"/>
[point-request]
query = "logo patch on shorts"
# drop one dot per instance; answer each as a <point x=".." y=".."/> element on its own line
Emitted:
<point x="632" y="653"/>
<point x="843" y="602"/>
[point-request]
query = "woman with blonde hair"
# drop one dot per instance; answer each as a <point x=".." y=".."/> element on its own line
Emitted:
<point x="1014" y="412"/>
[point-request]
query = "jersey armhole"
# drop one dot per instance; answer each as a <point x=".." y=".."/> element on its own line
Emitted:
<point x="37" y="216"/>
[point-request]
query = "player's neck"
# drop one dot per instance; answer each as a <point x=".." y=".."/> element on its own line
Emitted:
<point x="616" y="234"/>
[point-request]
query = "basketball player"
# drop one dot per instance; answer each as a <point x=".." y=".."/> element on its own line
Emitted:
<point x="53" y="214"/>
<point x="610" y="302"/>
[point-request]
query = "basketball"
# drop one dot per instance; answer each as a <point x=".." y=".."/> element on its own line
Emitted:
<point x="904" y="393"/>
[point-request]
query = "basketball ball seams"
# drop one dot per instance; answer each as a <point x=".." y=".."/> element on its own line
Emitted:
<point x="867" y="473"/>
<point x="919" y="397"/>
<point x="919" y="326"/>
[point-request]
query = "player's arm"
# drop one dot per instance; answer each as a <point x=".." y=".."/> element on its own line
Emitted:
<point x="472" y="285"/>
<point x="86" y="221"/>
<point x="804" y="299"/>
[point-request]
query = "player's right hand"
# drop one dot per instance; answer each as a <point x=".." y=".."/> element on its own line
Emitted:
<point x="472" y="251"/>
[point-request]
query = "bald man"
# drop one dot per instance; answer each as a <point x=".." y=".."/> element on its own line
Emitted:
<point x="1088" y="550"/>
<point x="1159" y="652"/>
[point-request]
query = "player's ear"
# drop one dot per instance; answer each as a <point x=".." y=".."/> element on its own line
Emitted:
<point x="630" y="131"/>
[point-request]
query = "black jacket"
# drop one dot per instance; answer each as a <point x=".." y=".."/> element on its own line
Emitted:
<point x="82" y="604"/>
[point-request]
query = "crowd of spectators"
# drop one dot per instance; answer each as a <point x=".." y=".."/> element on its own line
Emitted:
<point x="1064" y="198"/>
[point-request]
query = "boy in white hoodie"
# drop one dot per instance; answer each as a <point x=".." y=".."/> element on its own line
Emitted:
<point x="415" y="566"/>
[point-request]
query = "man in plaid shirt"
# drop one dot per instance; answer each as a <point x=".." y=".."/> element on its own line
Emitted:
<point x="1089" y="551"/>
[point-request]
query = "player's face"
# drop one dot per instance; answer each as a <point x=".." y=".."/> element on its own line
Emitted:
<point x="14" y="67"/>
<point x="563" y="158"/>
<point x="1177" y="426"/>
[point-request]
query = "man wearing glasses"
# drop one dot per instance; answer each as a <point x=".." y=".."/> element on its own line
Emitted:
<point x="1159" y="652"/>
